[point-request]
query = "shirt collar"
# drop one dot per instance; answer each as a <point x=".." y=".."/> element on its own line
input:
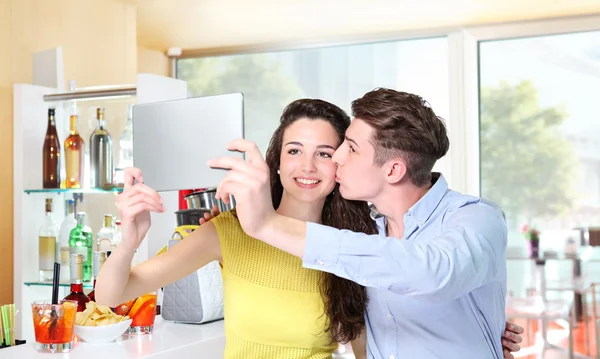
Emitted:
<point x="422" y="210"/>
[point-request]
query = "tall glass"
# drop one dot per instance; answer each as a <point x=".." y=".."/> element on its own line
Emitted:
<point x="142" y="310"/>
<point x="54" y="325"/>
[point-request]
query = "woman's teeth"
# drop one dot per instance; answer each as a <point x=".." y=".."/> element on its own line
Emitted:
<point x="307" y="181"/>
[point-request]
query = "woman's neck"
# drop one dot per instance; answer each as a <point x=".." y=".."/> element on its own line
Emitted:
<point x="304" y="211"/>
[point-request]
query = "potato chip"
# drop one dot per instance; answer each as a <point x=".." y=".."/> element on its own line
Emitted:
<point x="97" y="315"/>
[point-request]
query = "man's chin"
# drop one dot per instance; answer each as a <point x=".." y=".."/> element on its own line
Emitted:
<point x="348" y="194"/>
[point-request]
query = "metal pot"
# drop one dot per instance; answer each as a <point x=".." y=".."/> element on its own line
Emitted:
<point x="205" y="199"/>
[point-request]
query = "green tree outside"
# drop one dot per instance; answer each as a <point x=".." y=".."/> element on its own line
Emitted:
<point x="528" y="167"/>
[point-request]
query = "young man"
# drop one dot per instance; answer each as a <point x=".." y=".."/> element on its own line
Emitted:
<point x="436" y="274"/>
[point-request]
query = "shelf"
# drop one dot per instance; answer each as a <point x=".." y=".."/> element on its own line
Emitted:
<point x="75" y="190"/>
<point x="93" y="93"/>
<point x="88" y="285"/>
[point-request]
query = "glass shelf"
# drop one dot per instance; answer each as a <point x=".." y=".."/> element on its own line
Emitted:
<point x="75" y="190"/>
<point x="88" y="285"/>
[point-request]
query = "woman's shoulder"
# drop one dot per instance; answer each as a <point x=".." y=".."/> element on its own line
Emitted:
<point x="227" y="220"/>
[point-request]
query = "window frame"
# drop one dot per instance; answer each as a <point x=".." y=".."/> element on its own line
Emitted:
<point x="463" y="159"/>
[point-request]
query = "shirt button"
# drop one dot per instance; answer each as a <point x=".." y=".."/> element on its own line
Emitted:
<point x="365" y="281"/>
<point x="420" y="223"/>
<point x="392" y="357"/>
<point x="389" y="316"/>
<point x="321" y="263"/>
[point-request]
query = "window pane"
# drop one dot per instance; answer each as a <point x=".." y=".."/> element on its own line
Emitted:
<point x="540" y="132"/>
<point x="270" y="81"/>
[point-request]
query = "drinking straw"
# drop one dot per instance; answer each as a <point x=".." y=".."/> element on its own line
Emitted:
<point x="55" y="280"/>
<point x="12" y="325"/>
<point x="1" y="328"/>
<point x="53" y="313"/>
<point x="5" y="324"/>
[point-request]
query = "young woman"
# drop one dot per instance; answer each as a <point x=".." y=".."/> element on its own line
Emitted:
<point x="274" y="308"/>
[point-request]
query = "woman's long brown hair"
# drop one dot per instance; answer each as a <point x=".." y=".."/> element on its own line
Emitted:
<point x="345" y="301"/>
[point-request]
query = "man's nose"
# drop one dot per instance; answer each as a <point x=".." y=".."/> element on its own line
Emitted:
<point x="338" y="157"/>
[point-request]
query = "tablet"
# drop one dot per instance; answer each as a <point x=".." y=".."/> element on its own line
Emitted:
<point x="173" y="140"/>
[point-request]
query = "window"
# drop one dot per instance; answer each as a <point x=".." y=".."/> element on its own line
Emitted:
<point x="540" y="132"/>
<point x="270" y="81"/>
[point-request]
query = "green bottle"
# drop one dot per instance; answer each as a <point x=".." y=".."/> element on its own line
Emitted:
<point x="81" y="241"/>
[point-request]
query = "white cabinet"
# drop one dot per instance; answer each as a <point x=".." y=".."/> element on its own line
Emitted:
<point x="31" y="105"/>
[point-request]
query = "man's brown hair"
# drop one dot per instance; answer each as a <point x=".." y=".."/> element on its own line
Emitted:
<point x="404" y="126"/>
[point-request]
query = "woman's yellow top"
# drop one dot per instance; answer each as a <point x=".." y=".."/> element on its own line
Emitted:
<point x="272" y="305"/>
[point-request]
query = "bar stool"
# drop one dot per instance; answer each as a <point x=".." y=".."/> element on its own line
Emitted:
<point x="545" y="311"/>
<point x="579" y="286"/>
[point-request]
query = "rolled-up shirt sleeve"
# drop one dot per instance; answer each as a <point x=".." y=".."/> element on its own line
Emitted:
<point x="465" y="255"/>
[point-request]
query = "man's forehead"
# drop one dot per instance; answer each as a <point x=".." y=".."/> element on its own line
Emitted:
<point x="359" y="128"/>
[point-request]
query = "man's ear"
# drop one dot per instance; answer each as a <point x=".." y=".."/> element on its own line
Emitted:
<point x="395" y="170"/>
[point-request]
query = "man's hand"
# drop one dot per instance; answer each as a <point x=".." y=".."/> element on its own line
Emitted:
<point x="511" y="339"/>
<point x="249" y="183"/>
<point x="208" y="216"/>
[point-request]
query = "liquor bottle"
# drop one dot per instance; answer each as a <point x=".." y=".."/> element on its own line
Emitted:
<point x="80" y="241"/>
<point x="101" y="155"/>
<point x="126" y="141"/>
<point x="77" y="293"/>
<point x="74" y="154"/>
<point x="116" y="240"/>
<point x="63" y="249"/>
<point x="99" y="259"/>
<point x="105" y="235"/>
<point x="47" y="244"/>
<point x="51" y="154"/>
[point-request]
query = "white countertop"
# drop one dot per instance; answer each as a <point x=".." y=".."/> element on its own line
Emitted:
<point x="169" y="340"/>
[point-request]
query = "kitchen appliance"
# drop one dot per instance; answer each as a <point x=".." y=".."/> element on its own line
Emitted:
<point x="190" y="216"/>
<point x="169" y="136"/>
<point x="206" y="199"/>
<point x="197" y="298"/>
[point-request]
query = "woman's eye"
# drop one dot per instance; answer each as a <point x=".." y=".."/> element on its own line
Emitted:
<point x="293" y="151"/>
<point x="324" y="154"/>
<point x="351" y="149"/>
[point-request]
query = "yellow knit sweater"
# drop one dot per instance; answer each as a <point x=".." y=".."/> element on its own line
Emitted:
<point x="273" y="308"/>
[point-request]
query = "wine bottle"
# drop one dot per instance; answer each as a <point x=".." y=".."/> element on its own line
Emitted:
<point x="51" y="154"/>
<point x="63" y="250"/>
<point x="105" y="235"/>
<point x="99" y="259"/>
<point x="101" y="154"/>
<point x="47" y="244"/>
<point x="77" y="293"/>
<point x="81" y="241"/>
<point x="74" y="153"/>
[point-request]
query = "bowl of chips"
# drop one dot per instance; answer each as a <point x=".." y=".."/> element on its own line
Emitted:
<point x="99" y="324"/>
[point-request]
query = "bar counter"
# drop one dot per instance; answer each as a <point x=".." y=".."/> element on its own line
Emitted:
<point x="169" y="340"/>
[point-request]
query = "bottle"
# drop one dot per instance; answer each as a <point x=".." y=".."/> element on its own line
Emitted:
<point x="47" y="244"/>
<point x="105" y="236"/>
<point x="126" y="141"/>
<point x="80" y="241"/>
<point x="63" y="251"/>
<point x="116" y="240"/>
<point x="74" y="153"/>
<point x="101" y="155"/>
<point x="51" y="154"/>
<point x="99" y="259"/>
<point x="77" y="293"/>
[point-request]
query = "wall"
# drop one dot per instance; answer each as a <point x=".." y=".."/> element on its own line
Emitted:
<point x="98" y="38"/>
<point x="152" y="62"/>
<point x="6" y="212"/>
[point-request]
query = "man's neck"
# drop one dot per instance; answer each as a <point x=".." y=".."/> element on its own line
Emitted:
<point x="394" y="202"/>
<point x="304" y="211"/>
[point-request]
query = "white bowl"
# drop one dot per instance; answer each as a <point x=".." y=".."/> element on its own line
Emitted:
<point x="104" y="333"/>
